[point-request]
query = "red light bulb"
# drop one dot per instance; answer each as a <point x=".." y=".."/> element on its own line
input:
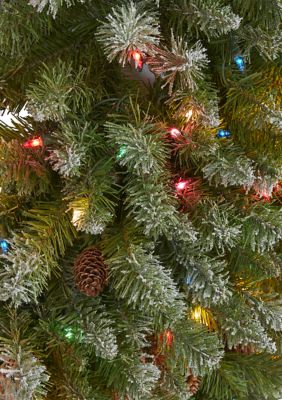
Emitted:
<point x="33" y="143"/>
<point x="136" y="56"/>
<point x="175" y="133"/>
<point x="138" y="60"/>
<point x="169" y="337"/>
<point x="181" y="185"/>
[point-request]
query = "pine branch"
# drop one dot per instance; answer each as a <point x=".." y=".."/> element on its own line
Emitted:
<point x="139" y="278"/>
<point x="23" y="169"/>
<point x="144" y="151"/>
<point x="183" y="61"/>
<point x="244" y="376"/>
<point x="208" y="17"/>
<point x="62" y="88"/>
<point x="22" y="374"/>
<point x="126" y="29"/>
<point x="194" y="347"/>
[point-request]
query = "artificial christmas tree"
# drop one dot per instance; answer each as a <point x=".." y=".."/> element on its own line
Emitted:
<point x="153" y="135"/>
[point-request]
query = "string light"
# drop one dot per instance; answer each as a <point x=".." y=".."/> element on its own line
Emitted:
<point x="196" y="314"/>
<point x="189" y="280"/>
<point x="223" y="133"/>
<point x="33" y="143"/>
<point x="4" y="246"/>
<point x="240" y="62"/>
<point x="189" y="114"/>
<point x="77" y="215"/>
<point x="71" y="333"/>
<point x="168" y="336"/>
<point x="122" y="151"/>
<point x="203" y="316"/>
<point x="175" y="133"/>
<point x="181" y="185"/>
<point x="138" y="60"/>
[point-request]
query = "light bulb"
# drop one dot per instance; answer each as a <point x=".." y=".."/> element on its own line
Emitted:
<point x="136" y="56"/>
<point x="174" y="133"/>
<point x="239" y="61"/>
<point x="77" y="216"/>
<point x="4" y="246"/>
<point x="197" y="314"/>
<point x="189" y="114"/>
<point x="181" y="185"/>
<point x="33" y="143"/>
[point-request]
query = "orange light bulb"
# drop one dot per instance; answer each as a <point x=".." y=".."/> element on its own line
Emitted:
<point x="33" y="143"/>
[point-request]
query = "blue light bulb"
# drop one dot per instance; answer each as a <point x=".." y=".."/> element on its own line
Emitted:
<point x="189" y="280"/>
<point x="239" y="61"/>
<point x="222" y="133"/>
<point x="4" y="246"/>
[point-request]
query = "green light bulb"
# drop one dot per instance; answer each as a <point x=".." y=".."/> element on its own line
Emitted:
<point x="121" y="152"/>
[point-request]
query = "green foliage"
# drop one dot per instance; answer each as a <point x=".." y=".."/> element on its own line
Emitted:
<point x="17" y="37"/>
<point x="22" y="374"/>
<point x="23" y="171"/>
<point x="206" y="277"/>
<point x="41" y="222"/>
<point x="262" y="228"/>
<point x="126" y="29"/>
<point x="62" y="88"/>
<point x="193" y="342"/>
<point x="229" y="166"/>
<point x="145" y="153"/>
<point x="106" y="177"/>
<point x="244" y="377"/>
<point x="208" y="17"/>
<point x="140" y="278"/>
<point x="220" y="228"/>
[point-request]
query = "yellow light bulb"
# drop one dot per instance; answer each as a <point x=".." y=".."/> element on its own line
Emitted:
<point x="76" y="216"/>
<point x="189" y="114"/>
<point x="197" y="314"/>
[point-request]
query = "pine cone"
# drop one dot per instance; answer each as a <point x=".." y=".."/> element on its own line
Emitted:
<point x="193" y="382"/>
<point x="90" y="272"/>
<point x="8" y="384"/>
<point x="244" y="349"/>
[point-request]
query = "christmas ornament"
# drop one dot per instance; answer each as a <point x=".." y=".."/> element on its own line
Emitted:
<point x="33" y="143"/>
<point x="90" y="272"/>
<point x="193" y="382"/>
<point x="4" y="246"/>
<point x="222" y="133"/>
<point x="240" y="62"/>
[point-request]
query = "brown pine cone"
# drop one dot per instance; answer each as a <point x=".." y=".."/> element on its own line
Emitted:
<point x="90" y="272"/>
<point x="244" y="349"/>
<point x="8" y="385"/>
<point x="193" y="382"/>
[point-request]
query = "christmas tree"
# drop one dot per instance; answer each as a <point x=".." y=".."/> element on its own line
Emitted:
<point x="141" y="218"/>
